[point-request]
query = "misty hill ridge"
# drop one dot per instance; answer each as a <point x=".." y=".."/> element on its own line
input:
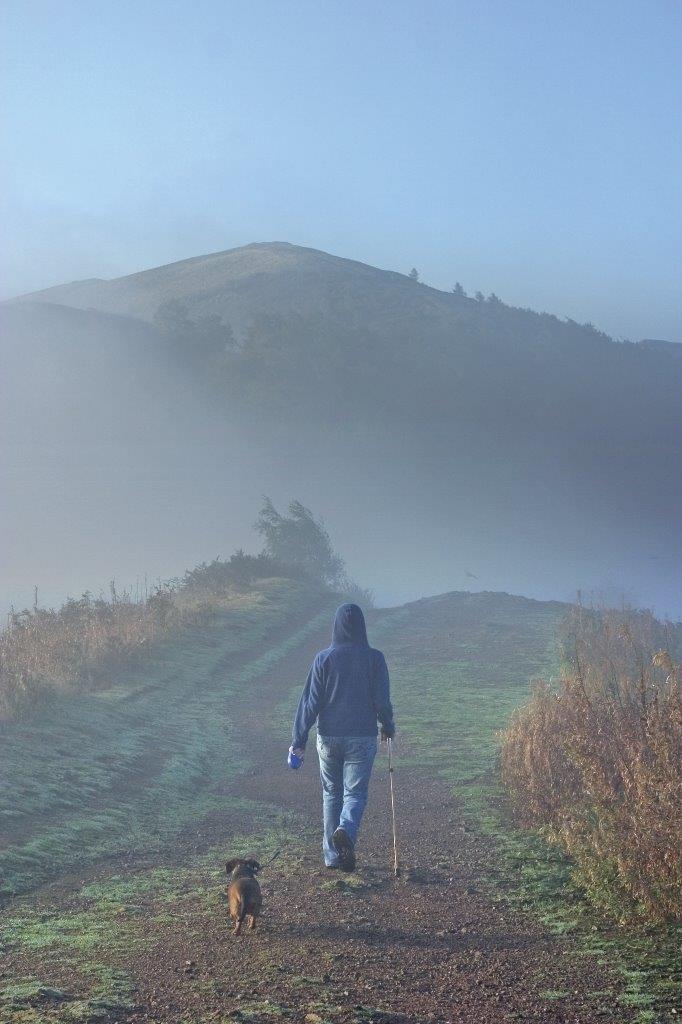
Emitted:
<point x="478" y="434"/>
<point x="357" y="341"/>
<point x="279" y="278"/>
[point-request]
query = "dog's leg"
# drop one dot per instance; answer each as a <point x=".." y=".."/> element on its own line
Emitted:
<point x="252" y="923"/>
<point x="240" y="921"/>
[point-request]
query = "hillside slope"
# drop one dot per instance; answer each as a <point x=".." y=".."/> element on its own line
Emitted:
<point x="272" y="277"/>
<point x="470" y="436"/>
<point x="299" y="315"/>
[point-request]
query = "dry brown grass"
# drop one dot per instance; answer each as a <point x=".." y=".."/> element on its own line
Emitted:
<point x="43" y="651"/>
<point x="596" y="761"/>
<point x="76" y="647"/>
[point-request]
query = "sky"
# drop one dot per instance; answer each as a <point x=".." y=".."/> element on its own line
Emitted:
<point x="525" y="148"/>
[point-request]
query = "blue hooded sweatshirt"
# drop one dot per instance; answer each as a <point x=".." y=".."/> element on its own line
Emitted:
<point x="347" y="688"/>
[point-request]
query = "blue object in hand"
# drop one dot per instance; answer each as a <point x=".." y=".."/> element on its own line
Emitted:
<point x="294" y="760"/>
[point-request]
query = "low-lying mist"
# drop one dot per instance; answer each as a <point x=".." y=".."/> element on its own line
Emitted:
<point x="119" y="462"/>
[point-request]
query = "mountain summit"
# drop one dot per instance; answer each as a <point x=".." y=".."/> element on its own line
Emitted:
<point x="281" y="279"/>
<point x="264" y="277"/>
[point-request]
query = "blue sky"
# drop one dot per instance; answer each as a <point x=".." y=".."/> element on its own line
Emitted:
<point x="533" y="149"/>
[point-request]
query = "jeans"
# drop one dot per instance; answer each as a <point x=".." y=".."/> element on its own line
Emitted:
<point x="345" y="767"/>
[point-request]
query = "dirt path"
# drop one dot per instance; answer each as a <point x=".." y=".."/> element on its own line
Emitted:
<point x="429" y="946"/>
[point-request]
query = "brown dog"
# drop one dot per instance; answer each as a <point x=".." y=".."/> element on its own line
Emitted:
<point x="243" y="892"/>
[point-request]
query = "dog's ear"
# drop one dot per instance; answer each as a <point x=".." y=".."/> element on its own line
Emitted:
<point x="231" y="865"/>
<point x="254" y="865"/>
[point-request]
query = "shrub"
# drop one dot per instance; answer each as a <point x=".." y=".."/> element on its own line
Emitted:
<point x="596" y="762"/>
<point x="240" y="570"/>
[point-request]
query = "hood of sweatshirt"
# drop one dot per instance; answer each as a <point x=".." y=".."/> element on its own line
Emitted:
<point x="349" y="625"/>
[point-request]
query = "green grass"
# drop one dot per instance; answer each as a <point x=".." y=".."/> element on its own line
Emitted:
<point x="80" y="779"/>
<point x="81" y="783"/>
<point x="29" y="1001"/>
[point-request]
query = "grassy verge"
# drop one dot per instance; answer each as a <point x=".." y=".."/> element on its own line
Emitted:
<point x="460" y="664"/>
<point x="126" y="767"/>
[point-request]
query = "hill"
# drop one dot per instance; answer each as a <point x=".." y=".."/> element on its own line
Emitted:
<point x="300" y="316"/>
<point x="273" y="278"/>
<point x="536" y="453"/>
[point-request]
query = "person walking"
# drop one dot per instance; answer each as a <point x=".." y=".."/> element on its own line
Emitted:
<point x="347" y="692"/>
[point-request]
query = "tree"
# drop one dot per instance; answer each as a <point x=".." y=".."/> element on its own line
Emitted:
<point x="458" y="290"/>
<point x="413" y="274"/>
<point x="172" y="318"/>
<point x="207" y="335"/>
<point x="479" y="296"/>
<point x="212" y="335"/>
<point x="299" y="540"/>
<point x="494" y="300"/>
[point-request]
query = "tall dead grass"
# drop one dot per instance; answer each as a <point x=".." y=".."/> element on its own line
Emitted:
<point x="77" y="647"/>
<point x="44" y="651"/>
<point x="595" y="761"/>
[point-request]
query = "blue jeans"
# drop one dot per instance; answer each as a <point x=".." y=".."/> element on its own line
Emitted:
<point x="345" y="767"/>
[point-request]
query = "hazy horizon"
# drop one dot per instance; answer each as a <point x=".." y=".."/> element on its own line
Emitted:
<point x="123" y="458"/>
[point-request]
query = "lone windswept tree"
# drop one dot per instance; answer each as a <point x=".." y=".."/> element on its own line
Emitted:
<point x="413" y="274"/>
<point x="459" y="290"/>
<point x="300" y="540"/>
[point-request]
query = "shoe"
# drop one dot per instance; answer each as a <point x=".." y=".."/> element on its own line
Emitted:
<point x="344" y="848"/>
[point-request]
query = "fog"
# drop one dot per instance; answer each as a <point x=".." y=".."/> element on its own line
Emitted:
<point x="119" y="463"/>
<point x="114" y="467"/>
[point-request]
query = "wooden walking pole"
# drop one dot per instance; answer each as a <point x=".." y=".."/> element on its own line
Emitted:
<point x="396" y="868"/>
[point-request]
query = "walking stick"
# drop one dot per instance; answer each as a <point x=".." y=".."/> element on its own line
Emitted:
<point x="396" y="869"/>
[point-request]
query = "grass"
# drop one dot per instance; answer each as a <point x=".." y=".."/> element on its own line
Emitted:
<point x="80" y="776"/>
<point x="459" y="666"/>
<point x="126" y="768"/>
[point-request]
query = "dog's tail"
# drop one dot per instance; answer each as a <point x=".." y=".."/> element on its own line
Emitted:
<point x="240" y="919"/>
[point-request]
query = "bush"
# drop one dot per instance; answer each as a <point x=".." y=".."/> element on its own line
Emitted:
<point x="241" y="570"/>
<point x="596" y="763"/>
